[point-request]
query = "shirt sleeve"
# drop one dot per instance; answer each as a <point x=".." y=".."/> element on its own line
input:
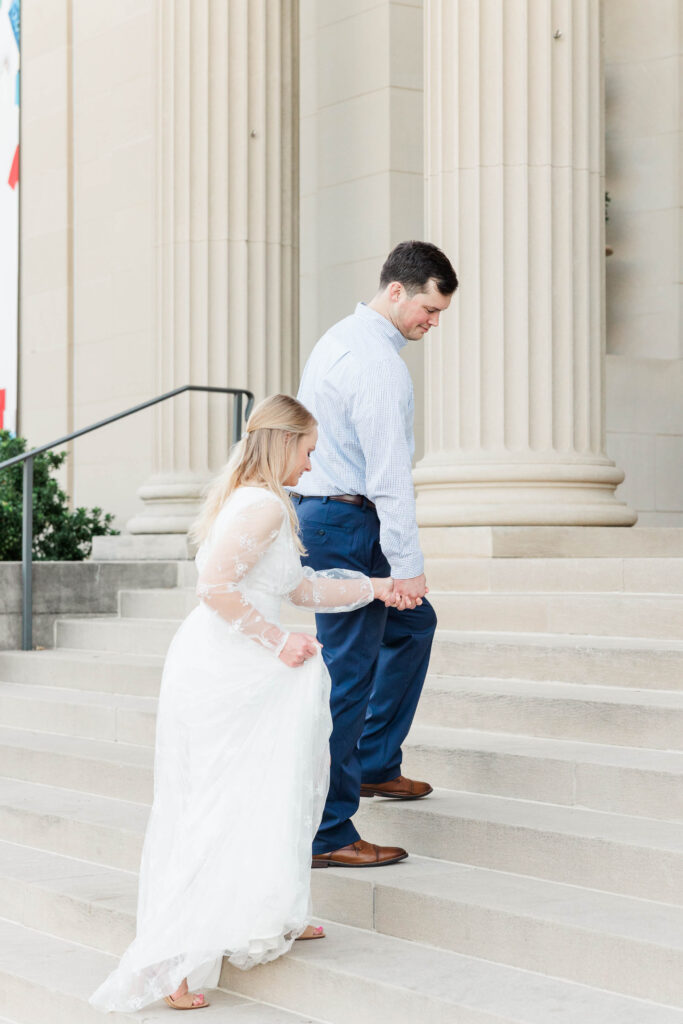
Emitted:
<point x="381" y="413"/>
<point x="240" y="544"/>
<point x="332" y="590"/>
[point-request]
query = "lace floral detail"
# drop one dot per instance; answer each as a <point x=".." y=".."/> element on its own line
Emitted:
<point x="251" y="552"/>
<point x="241" y="755"/>
<point x="331" y="590"/>
<point x="241" y="537"/>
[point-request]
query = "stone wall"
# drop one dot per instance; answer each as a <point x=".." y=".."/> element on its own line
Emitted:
<point x="88" y="194"/>
<point x="644" y="402"/>
<point x="361" y="157"/>
<point x="87" y="207"/>
<point x="71" y="588"/>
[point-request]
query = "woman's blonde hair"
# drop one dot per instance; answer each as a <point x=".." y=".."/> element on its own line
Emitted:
<point x="262" y="458"/>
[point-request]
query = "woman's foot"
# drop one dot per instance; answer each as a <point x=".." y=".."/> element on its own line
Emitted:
<point x="312" y="932"/>
<point x="184" y="1000"/>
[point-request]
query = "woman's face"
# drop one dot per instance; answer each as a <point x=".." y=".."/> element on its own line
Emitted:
<point x="301" y="462"/>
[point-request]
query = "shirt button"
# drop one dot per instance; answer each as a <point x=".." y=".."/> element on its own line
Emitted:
<point x="321" y="533"/>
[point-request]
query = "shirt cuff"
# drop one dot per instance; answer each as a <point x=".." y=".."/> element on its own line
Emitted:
<point x="407" y="568"/>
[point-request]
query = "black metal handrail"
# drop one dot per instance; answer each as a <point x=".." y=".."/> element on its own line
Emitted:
<point x="27" y="498"/>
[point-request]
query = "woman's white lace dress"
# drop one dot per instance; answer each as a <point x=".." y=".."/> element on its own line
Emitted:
<point x="241" y="764"/>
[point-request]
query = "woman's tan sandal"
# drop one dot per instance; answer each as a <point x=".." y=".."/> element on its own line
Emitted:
<point x="186" y="1002"/>
<point x="312" y="932"/>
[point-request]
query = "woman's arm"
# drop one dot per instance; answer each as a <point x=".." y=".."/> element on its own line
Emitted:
<point x="338" y="590"/>
<point x="243" y="541"/>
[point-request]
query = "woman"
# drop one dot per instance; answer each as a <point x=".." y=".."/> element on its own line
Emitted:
<point x="241" y="762"/>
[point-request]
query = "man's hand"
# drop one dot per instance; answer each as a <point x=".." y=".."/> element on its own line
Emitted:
<point x="409" y="593"/>
<point x="298" y="649"/>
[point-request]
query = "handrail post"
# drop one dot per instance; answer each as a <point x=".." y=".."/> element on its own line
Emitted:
<point x="237" y="419"/>
<point x="27" y="558"/>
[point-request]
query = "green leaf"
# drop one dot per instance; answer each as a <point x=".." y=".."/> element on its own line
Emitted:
<point x="59" y="534"/>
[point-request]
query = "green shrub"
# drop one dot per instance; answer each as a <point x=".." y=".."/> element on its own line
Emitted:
<point x="59" y="534"/>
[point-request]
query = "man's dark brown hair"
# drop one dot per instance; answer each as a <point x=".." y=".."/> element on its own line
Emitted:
<point x="414" y="264"/>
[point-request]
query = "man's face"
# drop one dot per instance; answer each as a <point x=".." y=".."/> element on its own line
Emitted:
<point x="414" y="315"/>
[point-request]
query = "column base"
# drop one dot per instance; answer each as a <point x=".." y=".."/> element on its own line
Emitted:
<point x="456" y="493"/>
<point x="171" y="504"/>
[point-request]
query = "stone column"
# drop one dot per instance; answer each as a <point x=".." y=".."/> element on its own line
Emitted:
<point x="226" y="231"/>
<point x="514" y="166"/>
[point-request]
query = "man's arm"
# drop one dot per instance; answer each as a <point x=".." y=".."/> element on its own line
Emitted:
<point x="382" y="417"/>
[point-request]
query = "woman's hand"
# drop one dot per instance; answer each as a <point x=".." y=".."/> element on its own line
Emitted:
<point x="298" y="648"/>
<point x="384" y="591"/>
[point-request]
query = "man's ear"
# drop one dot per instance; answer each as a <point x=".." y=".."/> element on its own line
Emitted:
<point x="395" y="291"/>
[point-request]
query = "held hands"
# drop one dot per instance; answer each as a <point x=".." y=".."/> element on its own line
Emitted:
<point x="384" y="590"/>
<point x="400" y="594"/>
<point x="298" y="648"/>
<point x="403" y="594"/>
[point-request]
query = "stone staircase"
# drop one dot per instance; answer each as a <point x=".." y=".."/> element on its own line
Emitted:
<point x="545" y="882"/>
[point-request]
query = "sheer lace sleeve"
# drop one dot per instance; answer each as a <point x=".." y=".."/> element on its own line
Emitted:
<point x="242" y="542"/>
<point x="332" y="590"/>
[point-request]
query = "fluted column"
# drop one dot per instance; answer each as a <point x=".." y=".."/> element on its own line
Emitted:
<point x="514" y="166"/>
<point x="226" y="231"/>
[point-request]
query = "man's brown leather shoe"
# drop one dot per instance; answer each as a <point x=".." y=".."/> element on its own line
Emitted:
<point x="359" y="855"/>
<point x="399" y="788"/>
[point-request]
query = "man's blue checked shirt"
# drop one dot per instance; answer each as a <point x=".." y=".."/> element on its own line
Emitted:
<point x="361" y="393"/>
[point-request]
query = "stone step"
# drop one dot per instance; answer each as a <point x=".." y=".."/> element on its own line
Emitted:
<point x="95" y="828"/>
<point x="613" y="942"/>
<point x="562" y="575"/>
<point x="594" y="660"/>
<point x="621" y="780"/>
<point x="643" y="664"/>
<point x="41" y="974"/>
<point x="187" y="574"/>
<point x="612" y="614"/>
<point x="68" y="898"/>
<point x="128" y="636"/>
<point x="658" y="616"/>
<point x="146" y="547"/>
<point x="86" y="714"/>
<point x="551" y="542"/>
<point x="100" y="767"/>
<point x="594" y="714"/>
<point x="630" y="946"/>
<point x="162" y="604"/>
<point x="639" y="718"/>
<point x="101" y="671"/>
<point x="361" y="976"/>
<point x="626" y="575"/>
<point x="607" y="661"/>
<point x="352" y="975"/>
<point x="634" y="856"/>
<point x="639" y="857"/>
<point x="655" y="616"/>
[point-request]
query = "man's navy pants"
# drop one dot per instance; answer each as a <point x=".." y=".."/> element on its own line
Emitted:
<point x="377" y="658"/>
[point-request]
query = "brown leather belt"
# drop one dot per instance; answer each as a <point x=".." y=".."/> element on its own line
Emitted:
<point x="350" y="499"/>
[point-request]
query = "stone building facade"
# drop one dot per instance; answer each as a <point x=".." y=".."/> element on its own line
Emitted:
<point x="208" y="184"/>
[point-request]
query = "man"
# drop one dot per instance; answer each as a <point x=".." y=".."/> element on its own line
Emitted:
<point x="357" y="510"/>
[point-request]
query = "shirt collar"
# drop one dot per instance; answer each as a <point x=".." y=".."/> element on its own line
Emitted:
<point x="385" y="326"/>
